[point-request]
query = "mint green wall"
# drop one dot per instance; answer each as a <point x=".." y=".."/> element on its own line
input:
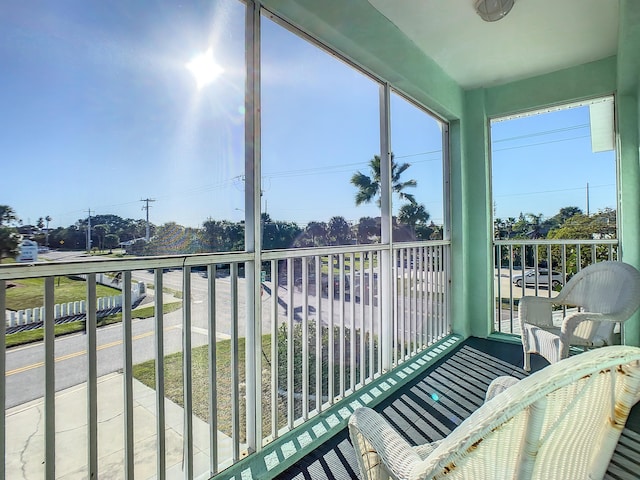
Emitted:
<point x="586" y="81"/>
<point x="459" y="304"/>
<point x="628" y="115"/>
<point x="629" y="204"/>
<point x="471" y="229"/>
<point x="472" y="179"/>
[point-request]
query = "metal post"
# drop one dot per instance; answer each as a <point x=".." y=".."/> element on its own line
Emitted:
<point x="386" y="295"/>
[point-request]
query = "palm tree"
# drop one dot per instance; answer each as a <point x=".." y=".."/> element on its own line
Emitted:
<point x="7" y="215"/>
<point x="369" y="185"/>
<point x="412" y="214"/>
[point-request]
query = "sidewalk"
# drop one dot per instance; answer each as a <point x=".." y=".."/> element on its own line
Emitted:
<point x="25" y="435"/>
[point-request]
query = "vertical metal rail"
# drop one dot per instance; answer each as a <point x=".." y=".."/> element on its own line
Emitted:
<point x="428" y="269"/>
<point x="92" y="377"/>
<point x="342" y="355"/>
<point x="403" y="305"/>
<point x="413" y="295"/>
<point x="442" y="320"/>
<point x="127" y="360"/>
<point x="511" y="303"/>
<point x="187" y="378"/>
<point x="396" y="257"/>
<point x="290" y="346"/>
<point x="49" y="380"/>
<point x="435" y="288"/>
<point x="564" y="275"/>
<point x="373" y="288"/>
<point x="3" y="374"/>
<point x="497" y="261"/>
<point x="235" y="364"/>
<point x="578" y="258"/>
<point x="363" y="300"/>
<point x="549" y="272"/>
<point x="212" y="339"/>
<point x="536" y="261"/>
<point x="305" y="339"/>
<point x="387" y="267"/>
<point x="420" y="297"/>
<point x="253" y="226"/>
<point x="352" y="322"/>
<point x="159" y="357"/>
<point x="331" y="336"/>
<point x="274" y="349"/>
<point x="426" y="299"/>
<point x="523" y="267"/>
<point x="447" y="280"/>
<point x="318" y="285"/>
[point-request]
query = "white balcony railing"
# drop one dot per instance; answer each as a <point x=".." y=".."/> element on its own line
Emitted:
<point x="175" y="394"/>
<point x="539" y="267"/>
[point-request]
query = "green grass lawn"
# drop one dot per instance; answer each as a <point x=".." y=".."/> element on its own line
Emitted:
<point x="145" y="372"/>
<point x="29" y="293"/>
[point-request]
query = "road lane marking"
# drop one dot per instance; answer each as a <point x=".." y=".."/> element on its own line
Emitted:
<point x="69" y="356"/>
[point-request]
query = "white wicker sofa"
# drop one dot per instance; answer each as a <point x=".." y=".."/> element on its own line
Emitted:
<point x="562" y="422"/>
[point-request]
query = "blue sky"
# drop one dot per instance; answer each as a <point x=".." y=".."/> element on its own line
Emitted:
<point x="98" y="111"/>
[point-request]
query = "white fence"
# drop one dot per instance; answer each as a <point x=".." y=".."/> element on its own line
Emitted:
<point x="61" y="310"/>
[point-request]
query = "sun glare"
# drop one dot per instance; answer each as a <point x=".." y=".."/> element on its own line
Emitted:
<point x="204" y="69"/>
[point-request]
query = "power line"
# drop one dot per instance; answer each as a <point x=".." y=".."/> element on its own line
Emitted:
<point x="545" y="132"/>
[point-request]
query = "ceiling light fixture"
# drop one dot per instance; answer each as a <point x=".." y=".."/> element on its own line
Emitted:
<point x="493" y="10"/>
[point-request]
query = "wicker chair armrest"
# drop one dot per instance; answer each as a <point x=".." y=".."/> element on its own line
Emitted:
<point x="535" y="311"/>
<point x="571" y="323"/>
<point x="499" y="385"/>
<point x="380" y="450"/>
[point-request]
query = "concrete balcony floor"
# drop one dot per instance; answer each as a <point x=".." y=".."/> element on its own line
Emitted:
<point x="430" y="407"/>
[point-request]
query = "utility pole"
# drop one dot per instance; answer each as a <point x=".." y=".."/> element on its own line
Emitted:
<point x="587" y="199"/>
<point x="146" y="207"/>
<point x="89" y="231"/>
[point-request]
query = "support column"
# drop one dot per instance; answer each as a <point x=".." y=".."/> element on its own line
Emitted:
<point x="628" y="110"/>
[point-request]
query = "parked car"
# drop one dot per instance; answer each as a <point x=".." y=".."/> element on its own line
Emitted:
<point x="541" y="280"/>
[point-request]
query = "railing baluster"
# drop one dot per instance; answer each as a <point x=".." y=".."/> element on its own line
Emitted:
<point x="274" y="349"/>
<point x="290" y="346"/>
<point x="92" y="377"/>
<point x="381" y="312"/>
<point x="331" y="345"/>
<point x="235" y="363"/>
<point x="3" y="373"/>
<point x="401" y="308"/>
<point x="318" y="287"/>
<point x="342" y="355"/>
<point x="363" y="301"/>
<point x="159" y="371"/>
<point x="187" y="380"/>
<point x="352" y="322"/>
<point x="413" y="276"/>
<point x="372" y="289"/>
<point x="49" y="375"/>
<point x="305" y="339"/>
<point x="212" y="338"/>
<point x="127" y="346"/>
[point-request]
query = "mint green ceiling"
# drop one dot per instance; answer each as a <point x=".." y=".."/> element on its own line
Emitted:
<point x="535" y="38"/>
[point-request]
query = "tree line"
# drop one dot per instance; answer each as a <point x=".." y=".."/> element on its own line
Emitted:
<point x="109" y="231"/>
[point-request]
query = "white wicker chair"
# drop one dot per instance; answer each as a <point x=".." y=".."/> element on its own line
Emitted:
<point x="606" y="292"/>
<point x="563" y="421"/>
